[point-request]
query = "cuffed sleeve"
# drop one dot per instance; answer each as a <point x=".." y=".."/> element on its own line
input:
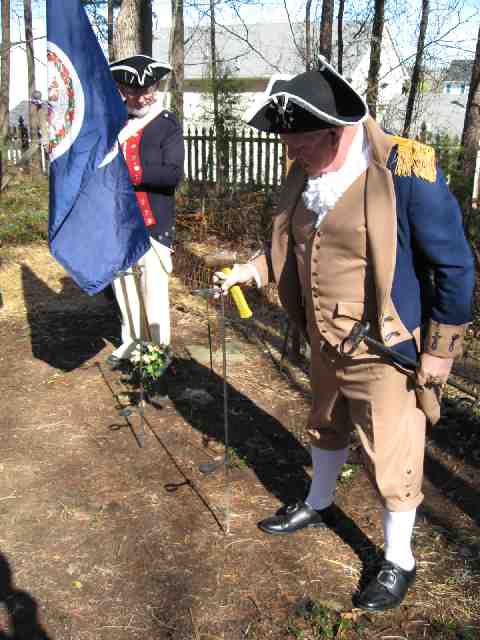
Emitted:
<point x="444" y="340"/>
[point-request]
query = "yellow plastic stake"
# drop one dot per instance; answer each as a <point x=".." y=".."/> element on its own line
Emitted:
<point x="239" y="299"/>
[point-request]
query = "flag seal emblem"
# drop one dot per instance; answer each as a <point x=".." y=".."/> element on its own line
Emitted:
<point x="66" y="102"/>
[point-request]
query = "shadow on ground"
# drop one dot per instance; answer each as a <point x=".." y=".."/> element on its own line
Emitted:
<point x="21" y="608"/>
<point x="64" y="335"/>
<point x="260" y="442"/>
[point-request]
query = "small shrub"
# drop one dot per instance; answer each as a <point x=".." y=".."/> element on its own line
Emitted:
<point x="24" y="211"/>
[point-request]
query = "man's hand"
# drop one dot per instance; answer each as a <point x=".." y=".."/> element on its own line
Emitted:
<point x="240" y="274"/>
<point x="433" y="370"/>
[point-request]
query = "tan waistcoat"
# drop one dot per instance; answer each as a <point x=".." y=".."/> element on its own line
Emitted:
<point x="378" y="201"/>
<point x="334" y="269"/>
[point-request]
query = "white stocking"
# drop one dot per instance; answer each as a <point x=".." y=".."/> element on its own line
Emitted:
<point x="398" y="529"/>
<point x="326" y="469"/>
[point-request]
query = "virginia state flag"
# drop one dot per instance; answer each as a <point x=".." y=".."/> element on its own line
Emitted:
<point x="95" y="226"/>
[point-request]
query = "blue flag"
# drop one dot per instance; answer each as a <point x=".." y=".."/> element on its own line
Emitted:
<point x="95" y="226"/>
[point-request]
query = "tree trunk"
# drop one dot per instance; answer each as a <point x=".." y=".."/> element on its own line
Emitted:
<point x="133" y="32"/>
<point x="146" y="27"/>
<point x="471" y="127"/>
<point x="219" y="137"/>
<point x="110" y="30"/>
<point x="308" y="36"/>
<point x="5" y="71"/>
<point x="27" y="14"/>
<point x="375" y="54"/>
<point x="417" y="67"/>
<point x="341" y="11"/>
<point x="326" y="27"/>
<point x="177" y="59"/>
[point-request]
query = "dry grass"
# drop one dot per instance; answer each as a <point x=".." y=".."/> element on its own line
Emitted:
<point x="30" y="271"/>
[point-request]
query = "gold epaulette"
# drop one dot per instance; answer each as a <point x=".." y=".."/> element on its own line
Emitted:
<point x="415" y="158"/>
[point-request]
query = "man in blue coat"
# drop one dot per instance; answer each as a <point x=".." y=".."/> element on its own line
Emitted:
<point x="152" y="143"/>
<point x="366" y="231"/>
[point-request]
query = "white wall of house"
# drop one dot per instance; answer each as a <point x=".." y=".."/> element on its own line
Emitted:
<point x="392" y="75"/>
<point x="198" y="108"/>
<point x="456" y="88"/>
<point x="278" y="54"/>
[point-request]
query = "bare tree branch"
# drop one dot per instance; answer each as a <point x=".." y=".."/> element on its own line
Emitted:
<point x="254" y="49"/>
<point x="299" y="50"/>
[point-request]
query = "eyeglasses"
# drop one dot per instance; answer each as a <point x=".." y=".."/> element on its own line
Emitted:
<point x="137" y="92"/>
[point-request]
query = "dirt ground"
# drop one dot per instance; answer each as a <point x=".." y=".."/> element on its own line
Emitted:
<point x="103" y="539"/>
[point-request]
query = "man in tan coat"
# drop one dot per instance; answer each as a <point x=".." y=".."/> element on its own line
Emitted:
<point x="366" y="231"/>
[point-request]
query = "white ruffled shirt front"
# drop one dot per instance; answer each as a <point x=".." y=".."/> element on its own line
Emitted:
<point x="323" y="193"/>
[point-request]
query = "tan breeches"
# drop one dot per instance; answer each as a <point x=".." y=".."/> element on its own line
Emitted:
<point x="156" y="266"/>
<point x="378" y="400"/>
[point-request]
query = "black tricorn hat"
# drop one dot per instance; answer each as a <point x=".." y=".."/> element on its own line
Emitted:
<point x="139" y="71"/>
<point x="307" y="102"/>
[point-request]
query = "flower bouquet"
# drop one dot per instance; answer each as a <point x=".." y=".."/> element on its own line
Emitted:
<point x="150" y="361"/>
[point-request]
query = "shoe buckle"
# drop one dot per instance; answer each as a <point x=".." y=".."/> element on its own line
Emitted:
<point x="291" y="508"/>
<point x="387" y="578"/>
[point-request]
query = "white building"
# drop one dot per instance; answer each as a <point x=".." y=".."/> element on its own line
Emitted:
<point x="251" y="54"/>
<point x="458" y="77"/>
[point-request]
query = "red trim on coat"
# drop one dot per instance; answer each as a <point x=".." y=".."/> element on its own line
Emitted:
<point x="131" y="152"/>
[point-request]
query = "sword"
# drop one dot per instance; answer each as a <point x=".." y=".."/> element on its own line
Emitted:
<point x="360" y="333"/>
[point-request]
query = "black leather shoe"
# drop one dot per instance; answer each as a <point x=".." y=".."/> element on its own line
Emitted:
<point x="295" y="517"/>
<point x="388" y="589"/>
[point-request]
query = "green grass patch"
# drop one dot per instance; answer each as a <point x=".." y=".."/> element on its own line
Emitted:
<point x="236" y="459"/>
<point x="349" y="471"/>
<point x="24" y="211"/>
<point x="315" y="621"/>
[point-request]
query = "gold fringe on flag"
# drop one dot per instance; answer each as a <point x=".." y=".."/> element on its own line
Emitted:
<point x="415" y="158"/>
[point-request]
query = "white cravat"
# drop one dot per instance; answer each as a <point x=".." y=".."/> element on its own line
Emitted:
<point x="322" y="193"/>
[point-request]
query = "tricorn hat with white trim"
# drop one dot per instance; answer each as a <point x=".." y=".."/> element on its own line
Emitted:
<point x="139" y="71"/>
<point x="307" y="102"/>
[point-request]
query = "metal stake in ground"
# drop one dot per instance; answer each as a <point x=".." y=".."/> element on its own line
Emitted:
<point x="144" y="327"/>
<point x="210" y="467"/>
<point x="225" y="413"/>
<point x="222" y="260"/>
<point x="136" y="273"/>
